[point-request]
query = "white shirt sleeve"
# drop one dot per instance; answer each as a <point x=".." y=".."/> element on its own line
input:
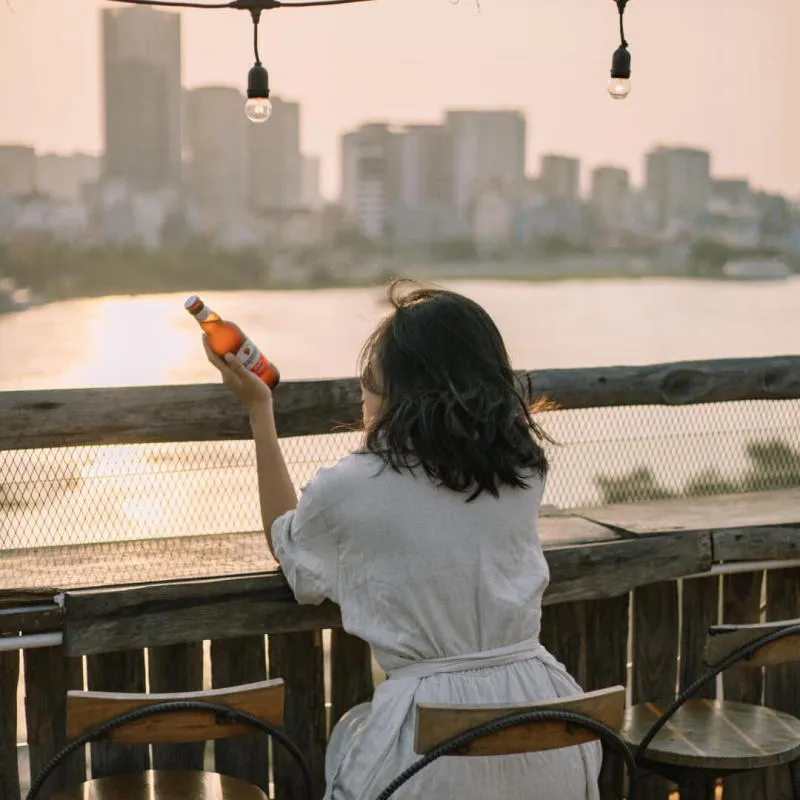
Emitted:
<point x="305" y="546"/>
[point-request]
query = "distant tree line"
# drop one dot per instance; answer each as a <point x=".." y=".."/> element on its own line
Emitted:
<point x="772" y="465"/>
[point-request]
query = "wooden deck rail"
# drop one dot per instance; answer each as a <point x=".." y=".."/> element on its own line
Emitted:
<point x="670" y="567"/>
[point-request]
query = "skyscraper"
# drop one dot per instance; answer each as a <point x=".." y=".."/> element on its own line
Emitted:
<point x="370" y="178"/>
<point x="425" y="165"/>
<point x="142" y="97"/>
<point x="487" y="147"/>
<point x="610" y="192"/>
<point x="17" y="170"/>
<point x="561" y="177"/>
<point x="275" y="171"/>
<point x="678" y="183"/>
<point x="216" y="133"/>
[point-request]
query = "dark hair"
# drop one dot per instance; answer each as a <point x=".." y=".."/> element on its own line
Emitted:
<point x="451" y="402"/>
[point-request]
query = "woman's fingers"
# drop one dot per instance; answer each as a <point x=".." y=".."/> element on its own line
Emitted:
<point x="212" y="356"/>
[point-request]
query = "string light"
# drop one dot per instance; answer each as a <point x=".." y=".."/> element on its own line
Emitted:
<point x="258" y="107"/>
<point x="619" y="86"/>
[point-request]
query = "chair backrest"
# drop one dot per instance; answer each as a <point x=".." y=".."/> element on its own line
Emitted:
<point x="86" y="710"/>
<point x="723" y="640"/>
<point x="438" y="723"/>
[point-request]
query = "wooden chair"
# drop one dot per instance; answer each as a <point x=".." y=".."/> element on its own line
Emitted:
<point x="694" y="741"/>
<point x="495" y="730"/>
<point x="171" y="719"/>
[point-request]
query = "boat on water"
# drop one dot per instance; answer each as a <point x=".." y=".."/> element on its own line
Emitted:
<point x="770" y="269"/>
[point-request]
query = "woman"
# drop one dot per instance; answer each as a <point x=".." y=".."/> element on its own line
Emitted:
<point x="427" y="539"/>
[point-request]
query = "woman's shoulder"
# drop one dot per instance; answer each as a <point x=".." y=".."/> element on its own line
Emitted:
<point x="339" y="478"/>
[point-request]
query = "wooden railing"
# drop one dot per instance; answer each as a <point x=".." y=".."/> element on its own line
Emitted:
<point x="670" y="567"/>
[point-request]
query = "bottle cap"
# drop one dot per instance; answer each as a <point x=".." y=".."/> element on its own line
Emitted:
<point x="193" y="304"/>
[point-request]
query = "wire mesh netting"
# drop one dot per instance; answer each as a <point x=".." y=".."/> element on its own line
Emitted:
<point x="87" y="516"/>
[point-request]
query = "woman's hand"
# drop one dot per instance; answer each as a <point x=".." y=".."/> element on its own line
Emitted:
<point x="251" y="391"/>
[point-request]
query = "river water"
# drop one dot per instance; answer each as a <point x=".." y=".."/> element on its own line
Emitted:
<point x="132" y="493"/>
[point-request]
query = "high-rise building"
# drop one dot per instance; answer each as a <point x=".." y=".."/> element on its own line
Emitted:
<point x="487" y="148"/>
<point x="216" y="135"/>
<point x="678" y="183"/>
<point x="610" y="192"/>
<point x="275" y="171"/>
<point x="311" y="193"/>
<point x="64" y="177"/>
<point x="142" y="97"/>
<point x="371" y="183"/>
<point x="425" y="166"/>
<point x="561" y="177"/>
<point x="17" y="170"/>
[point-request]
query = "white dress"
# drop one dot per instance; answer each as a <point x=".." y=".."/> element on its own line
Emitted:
<point x="449" y="596"/>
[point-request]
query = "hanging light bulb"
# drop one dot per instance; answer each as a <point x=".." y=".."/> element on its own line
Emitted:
<point x="258" y="106"/>
<point x="619" y="87"/>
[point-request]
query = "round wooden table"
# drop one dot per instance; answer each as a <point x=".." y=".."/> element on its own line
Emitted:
<point x="164" y="785"/>
<point x="715" y="735"/>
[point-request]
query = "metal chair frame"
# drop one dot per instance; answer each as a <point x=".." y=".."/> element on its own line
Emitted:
<point x="224" y="714"/>
<point x="609" y="739"/>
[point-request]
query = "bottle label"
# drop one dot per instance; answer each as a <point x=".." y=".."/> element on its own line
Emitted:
<point x="203" y="314"/>
<point x="252" y="358"/>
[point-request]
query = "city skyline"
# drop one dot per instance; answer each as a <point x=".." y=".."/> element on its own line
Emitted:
<point x="459" y="59"/>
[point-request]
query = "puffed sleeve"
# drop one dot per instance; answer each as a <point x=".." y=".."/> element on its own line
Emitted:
<point x="305" y="546"/>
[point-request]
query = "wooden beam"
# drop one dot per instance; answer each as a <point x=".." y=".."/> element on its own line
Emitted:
<point x="103" y="620"/>
<point x="208" y="412"/>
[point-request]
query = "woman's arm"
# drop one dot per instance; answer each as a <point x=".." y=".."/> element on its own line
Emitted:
<point x="275" y="488"/>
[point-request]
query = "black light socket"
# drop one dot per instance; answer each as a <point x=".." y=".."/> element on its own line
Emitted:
<point x="257" y="82"/>
<point x="621" y="63"/>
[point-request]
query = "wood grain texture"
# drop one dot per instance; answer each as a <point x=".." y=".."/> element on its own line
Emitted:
<point x="716" y="735"/>
<point x="741" y="603"/>
<point x="49" y="675"/>
<point x="438" y="723"/>
<point x="607" y="665"/>
<point x="298" y="658"/>
<point x="263" y="699"/>
<point x="208" y="412"/>
<point x="724" y="639"/>
<point x="43" y="618"/>
<point x="165" y="785"/>
<point x="655" y="658"/>
<point x="759" y="542"/>
<point x="176" y="668"/>
<point x="117" y="672"/>
<point x="782" y="682"/>
<point x="720" y="513"/>
<point x="235" y="662"/>
<point x="9" y="680"/>
<point x="351" y="673"/>
<point x="699" y="604"/>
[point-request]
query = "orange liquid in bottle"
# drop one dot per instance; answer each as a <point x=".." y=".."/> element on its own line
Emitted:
<point x="227" y="337"/>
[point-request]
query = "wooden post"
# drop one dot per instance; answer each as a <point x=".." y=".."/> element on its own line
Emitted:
<point x="298" y="659"/>
<point x="117" y="672"/>
<point x="782" y="683"/>
<point x="177" y="668"/>
<point x="9" y="681"/>
<point x="563" y="633"/>
<point x="233" y="662"/>
<point x="741" y="603"/>
<point x="351" y="673"/>
<point x="607" y="665"/>
<point x="700" y="611"/>
<point x="655" y="658"/>
<point x="48" y="677"/>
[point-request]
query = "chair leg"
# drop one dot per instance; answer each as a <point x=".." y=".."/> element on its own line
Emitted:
<point x="794" y="769"/>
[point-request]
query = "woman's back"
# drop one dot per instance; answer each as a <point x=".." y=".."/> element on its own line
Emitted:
<point x="424" y="574"/>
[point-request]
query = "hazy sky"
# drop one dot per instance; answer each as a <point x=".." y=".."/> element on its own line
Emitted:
<point x="721" y="74"/>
